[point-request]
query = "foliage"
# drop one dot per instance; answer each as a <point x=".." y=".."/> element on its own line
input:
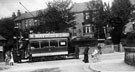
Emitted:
<point x="7" y="29"/>
<point x="121" y="13"/>
<point x="122" y="9"/>
<point x="58" y="17"/>
<point x="108" y="42"/>
<point x="115" y="17"/>
<point x="123" y="42"/>
<point x="101" y="13"/>
<point x="130" y="40"/>
<point x="84" y="41"/>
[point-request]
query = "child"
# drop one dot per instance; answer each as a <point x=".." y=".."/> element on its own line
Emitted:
<point x="11" y="62"/>
<point x="7" y="57"/>
<point x="100" y="50"/>
<point x="95" y="54"/>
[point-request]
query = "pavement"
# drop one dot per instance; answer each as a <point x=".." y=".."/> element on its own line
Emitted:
<point x="3" y="66"/>
<point x="112" y="62"/>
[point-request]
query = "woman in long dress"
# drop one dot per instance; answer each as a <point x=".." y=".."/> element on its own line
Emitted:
<point x="12" y="59"/>
<point x="7" y="58"/>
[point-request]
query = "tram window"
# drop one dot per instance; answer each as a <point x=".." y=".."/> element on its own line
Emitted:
<point x="54" y="43"/>
<point x="62" y="43"/>
<point x="34" y="44"/>
<point x="44" y="44"/>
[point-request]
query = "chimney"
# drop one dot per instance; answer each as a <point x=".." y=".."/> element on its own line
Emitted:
<point x="18" y="13"/>
<point x="25" y="11"/>
<point x="13" y="15"/>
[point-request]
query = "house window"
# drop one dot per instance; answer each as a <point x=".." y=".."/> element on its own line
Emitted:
<point x="87" y="16"/>
<point x="35" y="22"/>
<point x="18" y="25"/>
<point x="26" y="23"/>
<point x="74" y="31"/>
<point x="30" y="23"/>
<point x="88" y="29"/>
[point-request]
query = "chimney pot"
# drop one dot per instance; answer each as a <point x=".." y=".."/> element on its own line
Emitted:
<point x="18" y="13"/>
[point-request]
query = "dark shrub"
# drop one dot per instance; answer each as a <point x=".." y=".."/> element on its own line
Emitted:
<point x="85" y="41"/>
<point x="130" y="40"/>
<point x="123" y="42"/>
<point x="108" y="42"/>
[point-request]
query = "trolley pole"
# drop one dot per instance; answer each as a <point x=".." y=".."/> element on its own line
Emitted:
<point x="26" y="8"/>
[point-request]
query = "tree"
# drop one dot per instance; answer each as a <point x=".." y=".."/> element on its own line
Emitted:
<point x="130" y="40"/>
<point x="7" y="29"/>
<point x="121" y="14"/>
<point x="57" y="17"/>
<point x="99" y="15"/>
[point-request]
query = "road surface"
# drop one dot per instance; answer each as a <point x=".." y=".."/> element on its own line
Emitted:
<point x="67" y="65"/>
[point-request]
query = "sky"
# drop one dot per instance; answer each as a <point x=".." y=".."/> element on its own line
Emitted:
<point x="7" y="7"/>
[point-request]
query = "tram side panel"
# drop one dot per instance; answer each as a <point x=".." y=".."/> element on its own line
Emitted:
<point x="53" y="51"/>
<point x="48" y="47"/>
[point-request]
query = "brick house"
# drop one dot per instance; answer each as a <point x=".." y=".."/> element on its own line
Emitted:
<point x="83" y="28"/>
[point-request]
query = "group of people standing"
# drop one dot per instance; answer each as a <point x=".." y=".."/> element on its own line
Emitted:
<point x="97" y="51"/>
<point x="9" y="58"/>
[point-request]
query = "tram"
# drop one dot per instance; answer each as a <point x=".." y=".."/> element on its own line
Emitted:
<point x="47" y="44"/>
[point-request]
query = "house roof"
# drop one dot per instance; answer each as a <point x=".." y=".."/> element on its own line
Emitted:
<point x="2" y="38"/>
<point x="78" y="7"/>
<point x="29" y="15"/>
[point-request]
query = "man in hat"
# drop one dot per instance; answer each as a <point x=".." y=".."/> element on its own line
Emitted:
<point x="86" y="51"/>
<point x="77" y="51"/>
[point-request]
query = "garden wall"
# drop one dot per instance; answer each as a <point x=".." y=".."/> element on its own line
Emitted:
<point x="130" y="55"/>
